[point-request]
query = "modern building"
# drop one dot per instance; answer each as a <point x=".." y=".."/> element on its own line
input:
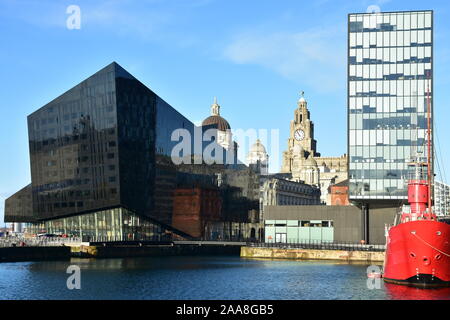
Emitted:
<point x="101" y="161"/>
<point x="338" y="224"/>
<point x="19" y="206"/>
<point x="389" y="64"/>
<point x="441" y="199"/>
<point x="301" y="158"/>
<point x="389" y="69"/>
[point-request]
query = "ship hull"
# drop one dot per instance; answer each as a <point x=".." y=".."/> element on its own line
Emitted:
<point x="418" y="254"/>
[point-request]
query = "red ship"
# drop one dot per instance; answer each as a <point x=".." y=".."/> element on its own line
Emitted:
<point x="418" y="247"/>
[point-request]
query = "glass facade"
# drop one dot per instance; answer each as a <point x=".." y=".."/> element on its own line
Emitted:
<point x="101" y="155"/>
<point x="74" y="149"/>
<point x="116" y="224"/>
<point x="102" y="144"/>
<point x="18" y="207"/>
<point x="297" y="231"/>
<point x="389" y="68"/>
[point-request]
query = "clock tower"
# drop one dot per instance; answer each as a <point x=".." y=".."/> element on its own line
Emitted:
<point x="301" y="142"/>
<point x="301" y="159"/>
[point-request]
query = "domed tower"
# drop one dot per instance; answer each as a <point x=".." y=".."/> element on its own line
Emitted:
<point x="215" y="121"/>
<point x="258" y="158"/>
<point x="310" y="171"/>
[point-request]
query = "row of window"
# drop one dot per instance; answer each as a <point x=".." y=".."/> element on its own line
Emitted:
<point x="400" y="20"/>
<point x="399" y="122"/>
<point x="300" y="223"/>
<point x="51" y="174"/>
<point x="378" y="174"/>
<point x="389" y="55"/>
<point x="384" y="27"/>
<point x="378" y="187"/>
<point x="407" y="38"/>
<point x="369" y="111"/>
<point x="386" y="136"/>
<point x="285" y="200"/>
<point x="62" y="141"/>
<point x="391" y="88"/>
<point x="101" y="224"/>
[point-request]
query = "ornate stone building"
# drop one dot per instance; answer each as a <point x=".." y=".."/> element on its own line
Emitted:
<point x="224" y="136"/>
<point x="258" y="159"/>
<point x="302" y="160"/>
<point x="282" y="192"/>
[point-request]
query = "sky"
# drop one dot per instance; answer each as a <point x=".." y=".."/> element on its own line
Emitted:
<point x="255" y="56"/>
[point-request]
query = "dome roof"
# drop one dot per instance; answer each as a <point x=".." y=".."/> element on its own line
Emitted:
<point x="217" y="122"/>
<point x="258" y="147"/>
<point x="302" y="100"/>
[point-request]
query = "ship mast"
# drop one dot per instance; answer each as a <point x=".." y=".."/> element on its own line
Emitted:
<point x="429" y="147"/>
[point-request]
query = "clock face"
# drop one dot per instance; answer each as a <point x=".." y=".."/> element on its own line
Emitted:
<point x="299" y="135"/>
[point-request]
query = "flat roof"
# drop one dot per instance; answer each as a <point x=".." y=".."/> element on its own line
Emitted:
<point x="384" y="12"/>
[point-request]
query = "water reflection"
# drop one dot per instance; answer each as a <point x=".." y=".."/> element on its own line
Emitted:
<point x="200" y="278"/>
<point x="399" y="292"/>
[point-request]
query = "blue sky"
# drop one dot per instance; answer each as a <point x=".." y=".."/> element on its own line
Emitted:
<point x="254" y="55"/>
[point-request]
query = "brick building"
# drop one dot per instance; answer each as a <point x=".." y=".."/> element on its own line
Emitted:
<point x="338" y="194"/>
<point x="194" y="208"/>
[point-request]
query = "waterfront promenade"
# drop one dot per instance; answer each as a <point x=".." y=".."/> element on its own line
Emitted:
<point x="23" y="249"/>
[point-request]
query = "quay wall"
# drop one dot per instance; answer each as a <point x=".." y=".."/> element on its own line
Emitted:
<point x="14" y="254"/>
<point x="312" y="254"/>
<point x="99" y="251"/>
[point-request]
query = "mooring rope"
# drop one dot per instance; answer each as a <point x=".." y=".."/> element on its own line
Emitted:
<point x="446" y="254"/>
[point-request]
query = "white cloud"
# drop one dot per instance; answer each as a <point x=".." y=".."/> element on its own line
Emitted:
<point x="125" y="20"/>
<point x="127" y="17"/>
<point x="316" y="56"/>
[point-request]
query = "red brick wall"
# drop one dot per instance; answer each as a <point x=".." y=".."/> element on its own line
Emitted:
<point x="339" y="196"/>
<point x="193" y="207"/>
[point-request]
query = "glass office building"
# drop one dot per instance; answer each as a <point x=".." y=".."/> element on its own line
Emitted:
<point x="101" y="161"/>
<point x="104" y="144"/>
<point x="389" y="68"/>
<point x="19" y="206"/>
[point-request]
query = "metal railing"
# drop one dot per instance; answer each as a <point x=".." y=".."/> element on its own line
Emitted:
<point x="319" y="245"/>
<point x="161" y="238"/>
<point x="37" y="241"/>
<point x="126" y="238"/>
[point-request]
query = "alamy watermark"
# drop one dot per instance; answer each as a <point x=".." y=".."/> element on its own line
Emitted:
<point x="213" y="146"/>
<point x="74" y="280"/>
<point x="373" y="9"/>
<point x="374" y="277"/>
<point x="74" y="19"/>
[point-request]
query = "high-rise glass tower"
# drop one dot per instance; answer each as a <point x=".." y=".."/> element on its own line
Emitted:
<point x="390" y="68"/>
